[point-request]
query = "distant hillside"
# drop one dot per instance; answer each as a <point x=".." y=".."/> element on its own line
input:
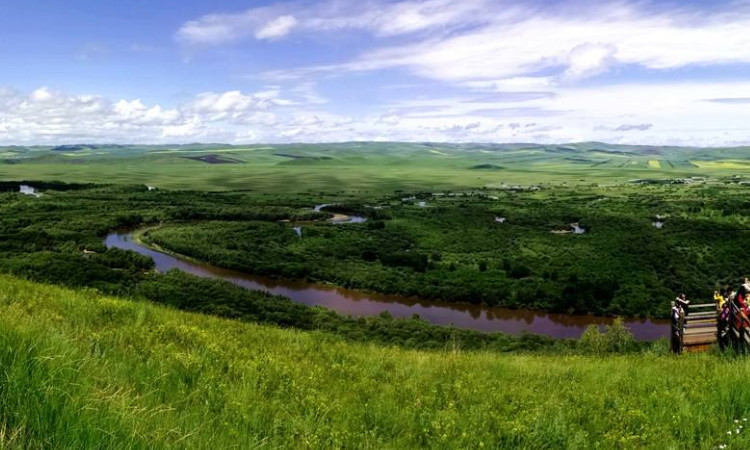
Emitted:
<point x="374" y="166"/>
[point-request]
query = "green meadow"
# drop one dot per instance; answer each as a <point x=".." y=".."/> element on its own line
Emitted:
<point x="81" y="370"/>
<point x="365" y="167"/>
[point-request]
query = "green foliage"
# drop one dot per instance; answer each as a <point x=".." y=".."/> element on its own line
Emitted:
<point x="451" y="250"/>
<point x="592" y="341"/>
<point x="617" y="338"/>
<point x="621" y="266"/>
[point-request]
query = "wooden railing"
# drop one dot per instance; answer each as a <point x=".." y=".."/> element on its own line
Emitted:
<point x="695" y="328"/>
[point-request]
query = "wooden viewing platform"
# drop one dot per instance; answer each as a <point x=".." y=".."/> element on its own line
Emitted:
<point x="694" y="329"/>
<point x="698" y="327"/>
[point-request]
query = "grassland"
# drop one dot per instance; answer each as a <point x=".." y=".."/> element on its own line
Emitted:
<point x="81" y="371"/>
<point x="365" y="167"/>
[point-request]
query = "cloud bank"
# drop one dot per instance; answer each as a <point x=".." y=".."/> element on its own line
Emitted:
<point x="417" y="70"/>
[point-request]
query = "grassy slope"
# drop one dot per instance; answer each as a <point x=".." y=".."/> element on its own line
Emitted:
<point x="80" y="371"/>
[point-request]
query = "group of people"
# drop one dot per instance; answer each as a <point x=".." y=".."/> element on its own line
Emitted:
<point x="725" y="299"/>
<point x="739" y="296"/>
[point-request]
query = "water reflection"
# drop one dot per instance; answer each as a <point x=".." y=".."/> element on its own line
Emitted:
<point x="28" y="190"/>
<point x="357" y="303"/>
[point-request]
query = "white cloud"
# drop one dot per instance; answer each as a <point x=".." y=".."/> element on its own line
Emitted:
<point x="378" y="17"/>
<point x="308" y="93"/>
<point x="391" y="119"/>
<point x="226" y="102"/>
<point x="235" y="104"/>
<point x="268" y="22"/>
<point x="190" y="130"/>
<point x="515" y="40"/>
<point x="655" y="113"/>
<point x="47" y="116"/>
<point x="277" y="28"/>
<point x="589" y="59"/>
<point x="514" y="84"/>
<point x="41" y="94"/>
<point x="496" y="110"/>
<point x="525" y="62"/>
<point x="207" y="30"/>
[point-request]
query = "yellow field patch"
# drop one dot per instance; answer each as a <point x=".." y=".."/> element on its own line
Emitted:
<point x="438" y="153"/>
<point x="725" y="164"/>
<point x="654" y="164"/>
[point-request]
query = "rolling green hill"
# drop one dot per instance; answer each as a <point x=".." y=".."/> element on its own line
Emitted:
<point x="365" y="166"/>
<point x="80" y="370"/>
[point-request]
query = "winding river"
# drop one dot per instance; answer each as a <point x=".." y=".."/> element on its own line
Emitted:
<point x="356" y="303"/>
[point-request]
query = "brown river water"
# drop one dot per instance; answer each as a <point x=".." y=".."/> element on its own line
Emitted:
<point x="356" y="303"/>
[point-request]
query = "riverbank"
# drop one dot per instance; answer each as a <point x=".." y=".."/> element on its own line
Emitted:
<point x="356" y="303"/>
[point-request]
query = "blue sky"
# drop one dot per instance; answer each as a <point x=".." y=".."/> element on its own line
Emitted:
<point x="136" y="71"/>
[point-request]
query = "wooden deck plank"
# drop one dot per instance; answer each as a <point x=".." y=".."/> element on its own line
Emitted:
<point x="700" y="331"/>
<point x="703" y="305"/>
<point x="701" y="315"/>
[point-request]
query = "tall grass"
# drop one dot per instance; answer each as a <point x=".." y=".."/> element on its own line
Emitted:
<point x="78" y="370"/>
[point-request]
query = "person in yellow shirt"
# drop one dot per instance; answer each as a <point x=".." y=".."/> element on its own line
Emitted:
<point x="719" y="298"/>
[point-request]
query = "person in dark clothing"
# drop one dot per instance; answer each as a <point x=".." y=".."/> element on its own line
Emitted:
<point x="723" y="328"/>
<point x="683" y="302"/>
<point x="675" y="336"/>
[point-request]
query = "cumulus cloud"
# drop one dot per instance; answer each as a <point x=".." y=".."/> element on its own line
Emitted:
<point x="45" y="115"/>
<point x="41" y="95"/>
<point x="217" y="106"/>
<point x="588" y="59"/>
<point x="637" y="113"/>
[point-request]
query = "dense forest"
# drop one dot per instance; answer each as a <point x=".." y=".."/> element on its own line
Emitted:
<point x="448" y="246"/>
